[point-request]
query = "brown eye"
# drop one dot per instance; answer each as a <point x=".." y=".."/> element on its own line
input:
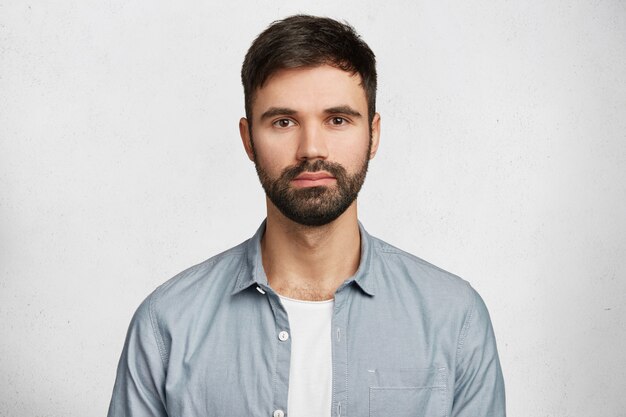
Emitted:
<point x="283" y="123"/>
<point x="338" y="121"/>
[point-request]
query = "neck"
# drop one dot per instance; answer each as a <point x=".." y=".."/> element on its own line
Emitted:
<point x="310" y="262"/>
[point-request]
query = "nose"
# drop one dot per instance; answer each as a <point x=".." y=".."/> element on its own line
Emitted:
<point x="312" y="144"/>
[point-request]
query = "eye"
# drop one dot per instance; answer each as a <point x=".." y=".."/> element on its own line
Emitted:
<point x="283" y="123"/>
<point x="338" y="121"/>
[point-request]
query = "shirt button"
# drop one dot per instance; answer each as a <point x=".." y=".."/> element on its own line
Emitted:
<point x="282" y="336"/>
<point x="279" y="413"/>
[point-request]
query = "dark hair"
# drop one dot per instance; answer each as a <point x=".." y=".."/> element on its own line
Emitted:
<point x="308" y="41"/>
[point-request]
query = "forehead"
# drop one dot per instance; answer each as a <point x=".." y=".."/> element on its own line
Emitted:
<point x="310" y="88"/>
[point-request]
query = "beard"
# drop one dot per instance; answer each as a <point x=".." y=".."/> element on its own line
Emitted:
<point x="313" y="206"/>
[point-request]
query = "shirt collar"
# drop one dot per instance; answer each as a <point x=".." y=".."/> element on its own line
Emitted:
<point x="252" y="272"/>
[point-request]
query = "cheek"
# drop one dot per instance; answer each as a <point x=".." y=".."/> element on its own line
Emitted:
<point x="272" y="160"/>
<point x="273" y="153"/>
<point x="350" y="154"/>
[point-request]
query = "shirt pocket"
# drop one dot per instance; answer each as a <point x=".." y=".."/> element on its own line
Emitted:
<point x="407" y="392"/>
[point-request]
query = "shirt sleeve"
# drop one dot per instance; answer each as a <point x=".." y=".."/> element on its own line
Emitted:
<point x="139" y="386"/>
<point x="479" y="385"/>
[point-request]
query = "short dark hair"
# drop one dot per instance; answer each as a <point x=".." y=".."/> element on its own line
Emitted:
<point x="308" y="41"/>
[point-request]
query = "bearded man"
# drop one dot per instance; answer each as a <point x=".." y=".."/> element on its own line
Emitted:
<point x="312" y="316"/>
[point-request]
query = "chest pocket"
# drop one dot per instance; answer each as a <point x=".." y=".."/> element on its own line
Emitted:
<point x="407" y="392"/>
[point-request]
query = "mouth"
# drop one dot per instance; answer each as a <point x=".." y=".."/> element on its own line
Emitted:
<point x="313" y="179"/>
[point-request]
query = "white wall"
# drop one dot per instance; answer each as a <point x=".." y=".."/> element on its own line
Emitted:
<point x="502" y="160"/>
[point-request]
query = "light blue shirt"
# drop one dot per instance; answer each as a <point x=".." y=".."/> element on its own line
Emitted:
<point x="408" y="339"/>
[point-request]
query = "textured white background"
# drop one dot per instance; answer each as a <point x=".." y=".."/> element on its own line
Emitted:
<point x="502" y="159"/>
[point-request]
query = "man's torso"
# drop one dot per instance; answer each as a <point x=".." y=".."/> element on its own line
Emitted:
<point x="397" y="329"/>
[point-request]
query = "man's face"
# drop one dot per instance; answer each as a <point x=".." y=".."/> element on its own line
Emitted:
<point x="311" y="141"/>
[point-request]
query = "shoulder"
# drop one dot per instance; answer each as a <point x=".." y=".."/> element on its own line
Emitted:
<point x="213" y="278"/>
<point x="413" y="274"/>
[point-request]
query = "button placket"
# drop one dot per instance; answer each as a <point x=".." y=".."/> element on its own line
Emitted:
<point x="340" y="353"/>
<point x="283" y="355"/>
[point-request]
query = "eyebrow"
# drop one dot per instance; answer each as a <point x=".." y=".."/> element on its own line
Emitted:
<point x="277" y="111"/>
<point x="347" y="110"/>
<point x="286" y="111"/>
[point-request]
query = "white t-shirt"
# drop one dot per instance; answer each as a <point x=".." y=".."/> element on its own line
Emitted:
<point x="310" y="373"/>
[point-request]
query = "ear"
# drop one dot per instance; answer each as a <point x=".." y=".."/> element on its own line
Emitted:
<point x="375" y="135"/>
<point x="244" y="132"/>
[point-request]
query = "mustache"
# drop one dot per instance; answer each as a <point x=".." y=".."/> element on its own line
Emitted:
<point x="333" y="168"/>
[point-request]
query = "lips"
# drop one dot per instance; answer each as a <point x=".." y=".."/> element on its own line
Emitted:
<point x="313" y="179"/>
<point x="313" y="176"/>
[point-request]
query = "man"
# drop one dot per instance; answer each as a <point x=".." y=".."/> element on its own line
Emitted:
<point x="311" y="316"/>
